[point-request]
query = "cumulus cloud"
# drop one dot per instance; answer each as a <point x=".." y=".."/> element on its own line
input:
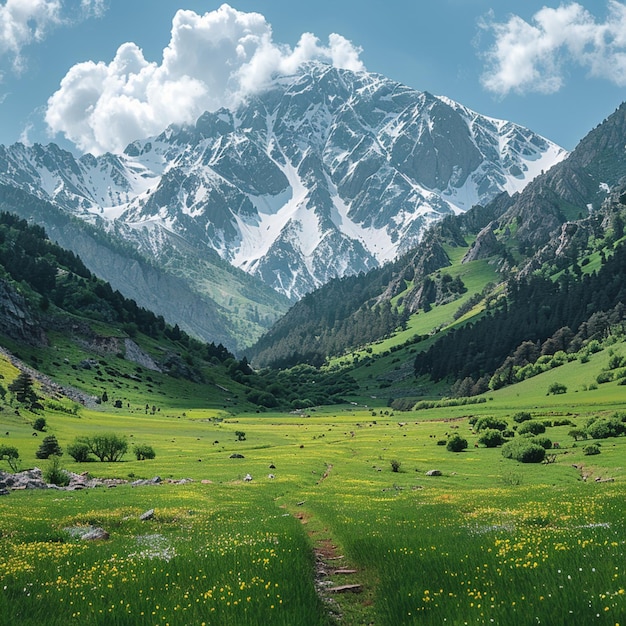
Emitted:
<point x="212" y="60"/>
<point x="536" y="56"/>
<point x="23" y="22"/>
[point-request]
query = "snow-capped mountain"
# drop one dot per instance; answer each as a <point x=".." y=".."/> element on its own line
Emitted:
<point x="326" y="173"/>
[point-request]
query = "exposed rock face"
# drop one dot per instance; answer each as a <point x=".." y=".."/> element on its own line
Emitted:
<point x="485" y="245"/>
<point x="135" y="354"/>
<point x="574" y="188"/>
<point x="16" y="319"/>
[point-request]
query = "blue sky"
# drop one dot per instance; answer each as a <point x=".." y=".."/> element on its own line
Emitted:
<point x="92" y="74"/>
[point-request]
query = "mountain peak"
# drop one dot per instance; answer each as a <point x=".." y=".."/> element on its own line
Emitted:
<point x="327" y="172"/>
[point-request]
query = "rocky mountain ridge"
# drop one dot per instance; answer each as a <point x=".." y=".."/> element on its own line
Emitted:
<point x="325" y="174"/>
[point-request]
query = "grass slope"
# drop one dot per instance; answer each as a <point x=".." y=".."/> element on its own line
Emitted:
<point x="488" y="541"/>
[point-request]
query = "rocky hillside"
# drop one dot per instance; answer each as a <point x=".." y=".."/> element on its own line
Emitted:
<point x="556" y="220"/>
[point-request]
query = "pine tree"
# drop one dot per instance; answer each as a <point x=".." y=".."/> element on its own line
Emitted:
<point x="49" y="447"/>
<point x="22" y="387"/>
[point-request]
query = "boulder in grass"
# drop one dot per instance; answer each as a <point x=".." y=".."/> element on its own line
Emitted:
<point x="147" y="515"/>
<point x="434" y="472"/>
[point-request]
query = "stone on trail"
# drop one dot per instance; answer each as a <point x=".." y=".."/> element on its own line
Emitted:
<point x="346" y="589"/>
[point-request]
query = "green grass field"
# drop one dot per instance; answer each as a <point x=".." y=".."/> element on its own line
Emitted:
<point x="490" y="541"/>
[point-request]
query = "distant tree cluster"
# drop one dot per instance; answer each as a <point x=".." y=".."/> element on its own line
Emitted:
<point x="534" y="323"/>
<point x="60" y="278"/>
<point x="340" y="315"/>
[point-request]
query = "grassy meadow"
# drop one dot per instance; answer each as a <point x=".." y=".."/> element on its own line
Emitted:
<point x="489" y="541"/>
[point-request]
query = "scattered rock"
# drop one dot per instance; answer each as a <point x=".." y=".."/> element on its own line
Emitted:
<point x="87" y="533"/>
<point x="143" y="482"/>
<point x="236" y="455"/>
<point x="434" y="472"/>
<point x="271" y="476"/>
<point x="247" y="478"/>
<point x="147" y="515"/>
<point x="272" y="466"/>
<point x="96" y="534"/>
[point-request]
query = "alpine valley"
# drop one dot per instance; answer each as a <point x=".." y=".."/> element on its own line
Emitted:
<point x="221" y="225"/>
<point x="348" y="354"/>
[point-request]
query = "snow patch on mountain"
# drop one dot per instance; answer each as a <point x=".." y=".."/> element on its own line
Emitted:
<point x="329" y="172"/>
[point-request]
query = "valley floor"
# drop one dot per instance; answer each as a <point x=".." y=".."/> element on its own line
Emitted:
<point x="313" y="526"/>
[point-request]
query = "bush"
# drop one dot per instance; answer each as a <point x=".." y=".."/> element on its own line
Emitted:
<point x="604" y="377"/>
<point x="522" y="416"/>
<point x="241" y="436"/>
<point x="605" y="427"/>
<point x="563" y="422"/>
<point x="456" y="443"/>
<point x="556" y="388"/>
<point x="532" y="427"/>
<point x="143" y="452"/>
<point x="39" y="424"/>
<point x="543" y="441"/>
<point x="490" y="422"/>
<point x="54" y="474"/>
<point x="395" y="465"/>
<point x="491" y="438"/>
<point x="591" y="449"/>
<point x="49" y="447"/>
<point x="524" y="451"/>
<point x="11" y="456"/>
<point x="79" y="451"/>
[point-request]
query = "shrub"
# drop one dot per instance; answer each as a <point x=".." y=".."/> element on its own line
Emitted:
<point x="456" y="443"/>
<point x="11" y="456"/>
<point x="143" y="452"/>
<point x="79" y="451"/>
<point x="522" y="416"/>
<point x="605" y="427"/>
<point x="591" y="449"/>
<point x="39" y="424"/>
<point x="490" y="422"/>
<point x="524" y="451"/>
<point x="491" y="438"/>
<point x="49" y="447"/>
<point x="241" y="436"/>
<point x="395" y="465"/>
<point x="543" y="441"/>
<point x="556" y="388"/>
<point x="54" y="474"/>
<point x="563" y="422"/>
<point x="604" y="377"/>
<point x="532" y="427"/>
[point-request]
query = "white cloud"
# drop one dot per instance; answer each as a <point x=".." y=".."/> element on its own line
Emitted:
<point x="536" y="56"/>
<point x="212" y="60"/>
<point x="23" y="22"/>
